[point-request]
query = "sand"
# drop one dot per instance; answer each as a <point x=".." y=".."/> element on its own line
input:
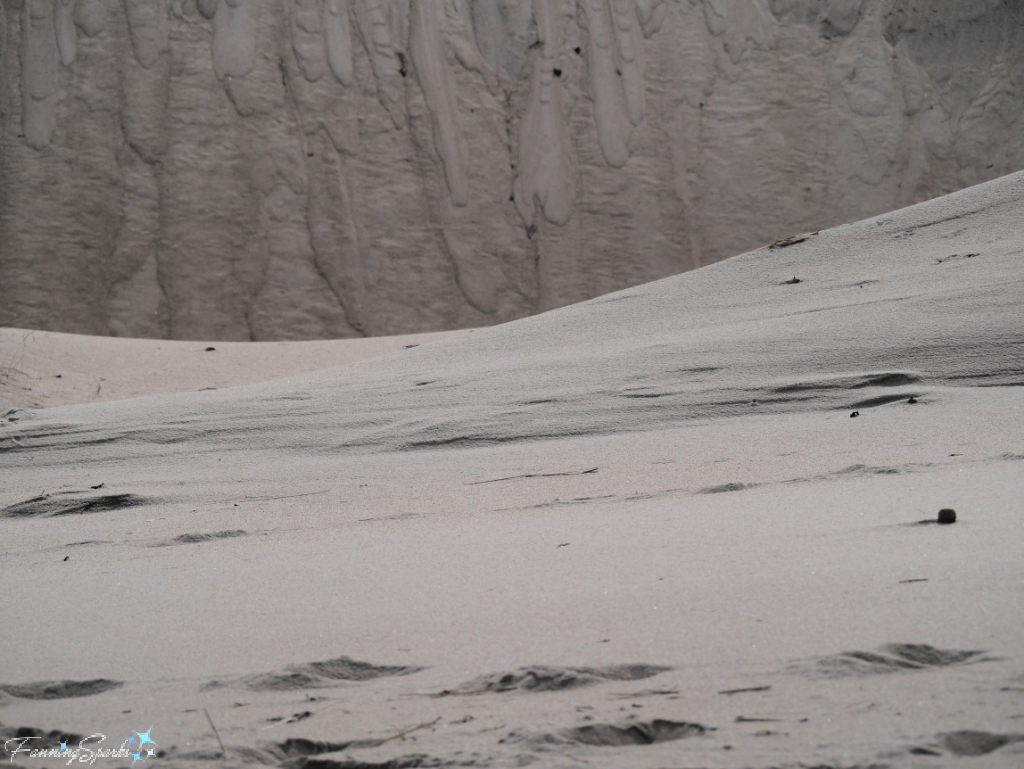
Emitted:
<point x="39" y="369"/>
<point x="687" y="524"/>
<point x="347" y="168"/>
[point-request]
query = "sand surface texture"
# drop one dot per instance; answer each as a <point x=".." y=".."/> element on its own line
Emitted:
<point x="318" y="169"/>
<point x="39" y="369"/>
<point x="688" y="524"/>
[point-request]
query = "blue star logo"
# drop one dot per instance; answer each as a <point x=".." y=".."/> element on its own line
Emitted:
<point x="63" y="746"/>
<point x="144" y="738"/>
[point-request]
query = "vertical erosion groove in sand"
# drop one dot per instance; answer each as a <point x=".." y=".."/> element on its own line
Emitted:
<point x="387" y="166"/>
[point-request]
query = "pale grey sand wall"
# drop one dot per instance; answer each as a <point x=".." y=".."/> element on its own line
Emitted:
<point x="289" y="169"/>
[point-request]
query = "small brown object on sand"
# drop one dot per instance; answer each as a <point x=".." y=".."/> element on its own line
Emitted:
<point x="947" y="515"/>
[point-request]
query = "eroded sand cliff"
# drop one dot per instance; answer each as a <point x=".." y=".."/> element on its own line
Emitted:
<point x="313" y="168"/>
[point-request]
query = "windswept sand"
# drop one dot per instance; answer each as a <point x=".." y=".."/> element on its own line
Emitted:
<point x="41" y="369"/>
<point x="642" y="531"/>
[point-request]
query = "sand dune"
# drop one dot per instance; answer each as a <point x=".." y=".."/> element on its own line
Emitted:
<point x="41" y="369"/>
<point x="679" y="525"/>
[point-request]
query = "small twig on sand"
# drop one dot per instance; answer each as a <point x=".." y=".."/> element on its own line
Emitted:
<point x="404" y="732"/>
<point x="267" y="499"/>
<point x="748" y="689"/>
<point x="215" y="733"/>
<point x="535" y="475"/>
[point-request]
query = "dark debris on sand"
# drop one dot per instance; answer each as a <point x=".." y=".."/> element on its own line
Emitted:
<point x="59" y="690"/>
<point x="402" y="762"/>
<point x="970" y="742"/>
<point x="612" y="735"/>
<point x="314" y="675"/>
<point x="193" y="539"/>
<point x="272" y="755"/>
<point x="893" y="658"/>
<point x="71" y="503"/>
<point x="542" y="678"/>
<point x="641" y="733"/>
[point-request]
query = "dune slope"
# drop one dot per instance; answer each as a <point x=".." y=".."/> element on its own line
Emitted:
<point x="689" y="524"/>
<point x="927" y="297"/>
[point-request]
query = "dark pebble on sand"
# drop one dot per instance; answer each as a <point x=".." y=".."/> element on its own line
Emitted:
<point x="947" y="515"/>
<point x="854" y="414"/>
